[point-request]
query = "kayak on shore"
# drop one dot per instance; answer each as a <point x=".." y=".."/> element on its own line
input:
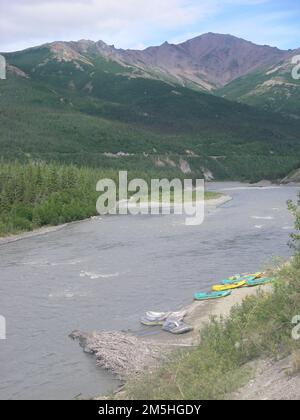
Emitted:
<point x="234" y="282"/>
<point x="173" y="322"/>
<point x="259" y="282"/>
<point x="242" y="277"/>
<point x="211" y="295"/>
<point x="225" y="287"/>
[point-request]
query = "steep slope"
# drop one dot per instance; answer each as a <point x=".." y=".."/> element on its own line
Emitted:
<point x="225" y="58"/>
<point x="62" y="103"/>
<point x="273" y="89"/>
<point x="213" y="58"/>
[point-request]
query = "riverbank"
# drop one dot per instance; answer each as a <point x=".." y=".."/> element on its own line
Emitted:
<point x="34" y="195"/>
<point x="238" y="350"/>
<point x="36" y="232"/>
<point x="128" y="354"/>
<point x="199" y="314"/>
<point x="210" y="201"/>
<point x="241" y="345"/>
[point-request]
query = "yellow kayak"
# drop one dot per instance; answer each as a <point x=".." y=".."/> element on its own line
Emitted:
<point x="224" y="287"/>
<point x="259" y="275"/>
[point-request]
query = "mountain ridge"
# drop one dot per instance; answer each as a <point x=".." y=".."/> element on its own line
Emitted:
<point x="206" y="62"/>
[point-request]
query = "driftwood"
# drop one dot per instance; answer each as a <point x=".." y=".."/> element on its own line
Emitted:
<point x="120" y="353"/>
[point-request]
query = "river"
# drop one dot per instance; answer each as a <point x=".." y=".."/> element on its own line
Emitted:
<point x="103" y="274"/>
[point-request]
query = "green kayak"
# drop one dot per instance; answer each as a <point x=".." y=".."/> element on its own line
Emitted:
<point x="211" y="295"/>
<point x="259" y="282"/>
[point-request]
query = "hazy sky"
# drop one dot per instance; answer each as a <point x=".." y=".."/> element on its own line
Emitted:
<point x="140" y="23"/>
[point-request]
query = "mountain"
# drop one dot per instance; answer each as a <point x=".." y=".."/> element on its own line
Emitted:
<point x="239" y="70"/>
<point x="82" y="102"/>
<point x="272" y="89"/>
<point x="206" y="62"/>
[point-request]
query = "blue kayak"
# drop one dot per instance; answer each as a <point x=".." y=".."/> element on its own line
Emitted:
<point x="237" y="280"/>
<point x="259" y="282"/>
<point x="211" y="295"/>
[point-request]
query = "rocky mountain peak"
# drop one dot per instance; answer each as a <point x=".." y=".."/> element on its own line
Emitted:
<point x="206" y="62"/>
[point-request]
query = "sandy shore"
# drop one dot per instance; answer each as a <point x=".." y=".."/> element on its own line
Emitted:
<point x="36" y="232"/>
<point x="49" y="229"/>
<point x="198" y="314"/>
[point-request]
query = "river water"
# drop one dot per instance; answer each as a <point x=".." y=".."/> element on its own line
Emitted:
<point x="103" y="274"/>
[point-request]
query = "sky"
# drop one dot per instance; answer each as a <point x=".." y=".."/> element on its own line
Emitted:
<point x="141" y="23"/>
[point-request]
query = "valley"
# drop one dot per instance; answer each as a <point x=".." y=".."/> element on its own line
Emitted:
<point x="88" y="104"/>
<point x="149" y="202"/>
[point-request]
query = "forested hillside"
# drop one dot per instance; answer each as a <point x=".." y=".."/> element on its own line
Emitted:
<point x="70" y="119"/>
<point x="100" y="114"/>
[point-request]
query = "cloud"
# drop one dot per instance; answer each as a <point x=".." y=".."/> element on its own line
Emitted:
<point x="125" y="23"/>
